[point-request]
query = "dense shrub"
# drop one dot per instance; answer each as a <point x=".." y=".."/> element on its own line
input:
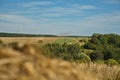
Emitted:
<point x="111" y="62"/>
<point x="90" y="46"/>
<point x="40" y="41"/>
<point x="64" y="51"/>
<point x="105" y="46"/>
<point x="73" y="48"/>
<point x="83" y="57"/>
<point x="1" y="42"/>
<point x="99" y="61"/>
<point x="13" y="44"/>
<point x="118" y="61"/>
<point x="96" y="55"/>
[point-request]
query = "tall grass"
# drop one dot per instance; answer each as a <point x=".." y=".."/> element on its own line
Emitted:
<point x="24" y="63"/>
<point x="102" y="71"/>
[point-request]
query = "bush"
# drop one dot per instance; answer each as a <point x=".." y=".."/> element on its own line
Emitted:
<point x="83" y="40"/>
<point x="90" y="46"/>
<point x="1" y="42"/>
<point x="73" y="48"/>
<point x="118" y="61"/>
<point x="96" y="55"/>
<point x="107" y="46"/>
<point x="99" y="61"/>
<point x="111" y="62"/>
<point x="82" y="57"/>
<point x="40" y="41"/>
<point x="65" y="49"/>
<point x="13" y="44"/>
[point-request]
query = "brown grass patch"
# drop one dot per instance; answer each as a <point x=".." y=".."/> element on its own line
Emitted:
<point x="28" y="39"/>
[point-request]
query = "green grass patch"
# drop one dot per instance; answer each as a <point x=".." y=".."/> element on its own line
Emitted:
<point x="64" y="40"/>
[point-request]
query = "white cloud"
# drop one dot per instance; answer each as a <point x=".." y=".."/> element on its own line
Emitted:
<point x="41" y="3"/>
<point x="51" y="15"/>
<point x="15" y="18"/>
<point x="113" y="1"/>
<point x="100" y="20"/>
<point x="55" y="11"/>
<point x="49" y="12"/>
<point x="87" y="7"/>
<point x="84" y="7"/>
<point x="63" y="11"/>
<point x="32" y="8"/>
<point x="103" y="23"/>
<point x="107" y="18"/>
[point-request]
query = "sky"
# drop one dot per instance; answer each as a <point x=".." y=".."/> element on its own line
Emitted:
<point x="60" y="17"/>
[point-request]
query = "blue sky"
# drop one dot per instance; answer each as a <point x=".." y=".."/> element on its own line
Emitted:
<point x="68" y="17"/>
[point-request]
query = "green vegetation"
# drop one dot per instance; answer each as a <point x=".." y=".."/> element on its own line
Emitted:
<point x="104" y="46"/>
<point x="40" y="41"/>
<point x="1" y="42"/>
<point x="100" y="48"/>
<point x="111" y="62"/>
<point x="65" y="40"/>
<point x="64" y="51"/>
<point x="13" y="44"/>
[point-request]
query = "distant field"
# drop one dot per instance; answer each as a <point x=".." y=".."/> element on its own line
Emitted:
<point x="28" y="39"/>
<point x="59" y="40"/>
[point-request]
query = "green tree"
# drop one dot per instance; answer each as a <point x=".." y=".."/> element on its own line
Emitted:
<point x="73" y="48"/>
<point x="107" y="44"/>
<point x="96" y="55"/>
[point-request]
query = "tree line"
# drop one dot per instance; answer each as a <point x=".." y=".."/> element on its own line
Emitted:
<point x="24" y="35"/>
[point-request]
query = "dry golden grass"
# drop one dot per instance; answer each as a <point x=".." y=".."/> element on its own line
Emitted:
<point x="27" y="39"/>
<point x="102" y="71"/>
<point x="24" y="63"/>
